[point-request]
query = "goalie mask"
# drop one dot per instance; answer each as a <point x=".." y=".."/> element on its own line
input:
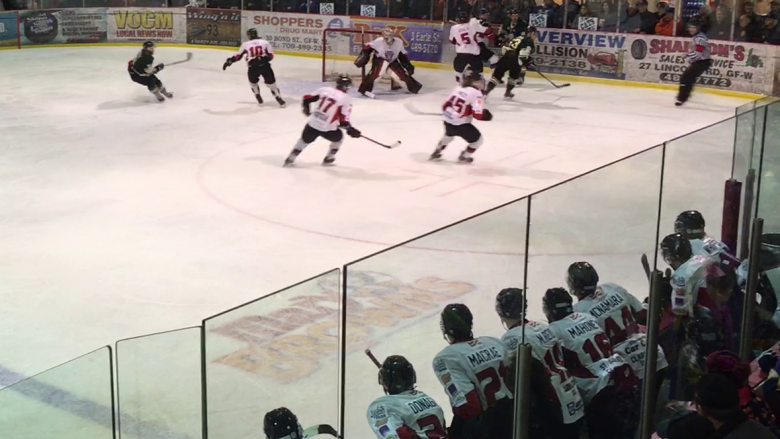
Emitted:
<point x="388" y="35"/>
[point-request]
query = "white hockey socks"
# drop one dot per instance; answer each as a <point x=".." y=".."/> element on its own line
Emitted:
<point x="471" y="148"/>
<point x="443" y="142"/>
<point x="297" y="149"/>
<point x="255" y="88"/>
<point x="334" y="149"/>
<point x="274" y="90"/>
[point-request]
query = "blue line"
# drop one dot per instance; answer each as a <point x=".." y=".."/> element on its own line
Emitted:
<point x="89" y="410"/>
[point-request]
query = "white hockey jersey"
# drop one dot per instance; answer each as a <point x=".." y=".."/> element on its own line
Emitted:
<point x="546" y="348"/>
<point x="463" y="104"/>
<point x="588" y="354"/>
<point x="614" y="308"/>
<point x="333" y="109"/>
<point x="466" y="36"/>
<point x="634" y="350"/>
<point x="686" y="281"/>
<point x="254" y="49"/>
<point x="398" y="416"/>
<point x="472" y="374"/>
<point x="388" y="52"/>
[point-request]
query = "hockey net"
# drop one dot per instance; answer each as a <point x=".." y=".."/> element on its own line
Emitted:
<point x="340" y="48"/>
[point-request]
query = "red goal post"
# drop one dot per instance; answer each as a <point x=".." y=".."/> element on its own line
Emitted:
<point x="340" y="47"/>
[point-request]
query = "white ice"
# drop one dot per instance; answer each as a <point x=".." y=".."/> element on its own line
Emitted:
<point x="121" y="216"/>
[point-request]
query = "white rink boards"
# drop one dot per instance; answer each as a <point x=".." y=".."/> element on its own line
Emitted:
<point x="122" y="216"/>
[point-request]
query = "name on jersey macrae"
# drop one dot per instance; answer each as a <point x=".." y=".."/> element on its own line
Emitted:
<point x="545" y="336"/>
<point x="736" y="51"/>
<point x="606" y="306"/>
<point x="483" y="356"/>
<point x="583" y="328"/>
<point x="580" y="39"/>
<point x="421" y="405"/>
<point x="397" y="30"/>
<point x="291" y="343"/>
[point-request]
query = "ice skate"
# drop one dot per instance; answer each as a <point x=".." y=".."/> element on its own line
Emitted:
<point x="159" y="97"/>
<point x="678" y="103"/>
<point x="328" y="160"/>
<point x="368" y="94"/>
<point x="509" y="95"/>
<point x="465" y="159"/>
<point x="289" y="161"/>
<point x="166" y="93"/>
<point x="259" y="98"/>
<point x="281" y="101"/>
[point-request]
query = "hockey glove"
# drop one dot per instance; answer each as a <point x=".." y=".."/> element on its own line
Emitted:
<point x="228" y="62"/>
<point x="159" y="67"/>
<point x="306" y="109"/>
<point x="486" y="115"/>
<point x="353" y="132"/>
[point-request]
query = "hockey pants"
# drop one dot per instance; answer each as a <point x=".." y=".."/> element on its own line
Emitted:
<point x="376" y="70"/>
<point x="688" y="78"/>
<point x="151" y="82"/>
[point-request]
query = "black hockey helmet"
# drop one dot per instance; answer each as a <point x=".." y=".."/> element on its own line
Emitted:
<point x="343" y="82"/>
<point x="282" y="423"/>
<point x="471" y="78"/>
<point x="510" y="303"/>
<point x="251" y="33"/>
<point x="557" y="304"/>
<point x="462" y="17"/>
<point x="456" y="321"/>
<point x="397" y="375"/>
<point x="689" y="224"/>
<point x="582" y="279"/>
<point x="149" y="46"/>
<point x="530" y="30"/>
<point x="676" y="249"/>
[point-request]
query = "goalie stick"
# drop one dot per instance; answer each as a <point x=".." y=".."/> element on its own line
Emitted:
<point x="396" y="144"/>
<point x="314" y="430"/>
<point x="187" y="59"/>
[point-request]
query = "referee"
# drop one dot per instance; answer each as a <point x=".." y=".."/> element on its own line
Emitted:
<point x="699" y="58"/>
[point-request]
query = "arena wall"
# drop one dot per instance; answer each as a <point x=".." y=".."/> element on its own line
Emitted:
<point x="739" y="69"/>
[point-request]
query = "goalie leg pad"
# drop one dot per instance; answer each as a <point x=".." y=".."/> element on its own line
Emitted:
<point x="411" y="84"/>
<point x="368" y="81"/>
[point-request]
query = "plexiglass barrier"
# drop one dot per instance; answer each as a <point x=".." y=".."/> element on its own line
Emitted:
<point x="278" y="351"/>
<point x="71" y="401"/>
<point x="159" y="385"/>
<point x="768" y="200"/>
<point x="395" y="298"/>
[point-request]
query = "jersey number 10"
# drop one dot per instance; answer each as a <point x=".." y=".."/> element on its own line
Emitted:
<point x="256" y="51"/>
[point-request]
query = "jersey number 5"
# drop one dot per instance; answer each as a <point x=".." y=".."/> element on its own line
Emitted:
<point x="494" y="385"/>
<point x="464" y="36"/>
<point x="432" y="427"/>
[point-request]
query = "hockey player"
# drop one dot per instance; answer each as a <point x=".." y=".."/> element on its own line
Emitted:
<point x="607" y="383"/>
<point x="486" y="55"/>
<point x="466" y="36"/>
<point x="690" y="224"/>
<point x="326" y="120"/>
<point x="143" y="72"/>
<point x="259" y="55"/>
<point x="281" y="423"/>
<point x="516" y="56"/>
<point x="386" y="49"/>
<point x="699" y="58"/>
<point x="465" y="102"/>
<point x="512" y="27"/>
<point x="472" y="372"/>
<point x="688" y="277"/>
<point x="404" y="412"/>
<point x="557" y="406"/>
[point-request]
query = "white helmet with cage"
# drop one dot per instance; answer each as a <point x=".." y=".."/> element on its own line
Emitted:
<point x="389" y="35"/>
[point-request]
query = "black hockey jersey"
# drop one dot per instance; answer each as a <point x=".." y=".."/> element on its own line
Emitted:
<point x="143" y="63"/>
<point x="519" y="48"/>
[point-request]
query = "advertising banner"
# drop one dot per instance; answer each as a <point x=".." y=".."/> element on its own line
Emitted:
<point x="293" y="32"/>
<point x="9" y="30"/>
<point x="214" y="27"/>
<point x="423" y="41"/>
<point x="736" y="66"/>
<point x="58" y="26"/>
<point x="580" y="53"/>
<point x="147" y="24"/>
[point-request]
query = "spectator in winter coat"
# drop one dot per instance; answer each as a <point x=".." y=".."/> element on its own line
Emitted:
<point x="665" y="25"/>
<point x="608" y="18"/>
<point x="495" y="14"/>
<point x="771" y="30"/>
<point x="749" y="26"/>
<point x="584" y="12"/>
<point x="633" y="22"/>
<point x="553" y="11"/>
<point x="717" y="399"/>
<point x="705" y="18"/>
<point x="721" y="26"/>
<point x="648" y="19"/>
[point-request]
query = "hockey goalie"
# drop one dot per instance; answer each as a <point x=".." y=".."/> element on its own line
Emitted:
<point x="386" y="49"/>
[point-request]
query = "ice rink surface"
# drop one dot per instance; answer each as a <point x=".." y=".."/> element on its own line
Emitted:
<point x="120" y="216"/>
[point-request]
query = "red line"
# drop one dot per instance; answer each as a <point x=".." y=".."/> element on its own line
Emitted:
<point x="483" y="182"/>
<point x="537" y="161"/>
<point x="443" y="179"/>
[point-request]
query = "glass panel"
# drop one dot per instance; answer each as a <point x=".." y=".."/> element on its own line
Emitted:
<point x="396" y="297"/>
<point x="769" y="189"/>
<point x="159" y="385"/>
<point x="71" y="401"/>
<point x="696" y="167"/>
<point x="608" y="218"/>
<point x="278" y="351"/>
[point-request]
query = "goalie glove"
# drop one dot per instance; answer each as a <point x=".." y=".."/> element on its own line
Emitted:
<point x="228" y="62"/>
<point x="352" y="131"/>
<point x="364" y="57"/>
<point x="158" y="68"/>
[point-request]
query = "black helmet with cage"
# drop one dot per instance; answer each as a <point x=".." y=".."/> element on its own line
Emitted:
<point x="343" y="82"/>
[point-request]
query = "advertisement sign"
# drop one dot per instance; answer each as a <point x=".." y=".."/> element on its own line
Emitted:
<point x="736" y="66"/>
<point x="58" y="26"/>
<point x="9" y="31"/>
<point x="423" y="41"/>
<point x="293" y="32"/>
<point x="580" y="53"/>
<point x="214" y="27"/>
<point x="147" y="24"/>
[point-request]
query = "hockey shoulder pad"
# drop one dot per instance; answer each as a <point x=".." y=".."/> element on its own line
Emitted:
<point x="363" y="57"/>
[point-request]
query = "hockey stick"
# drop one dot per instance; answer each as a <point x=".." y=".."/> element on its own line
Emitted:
<point x="391" y="146"/>
<point x="187" y="59"/>
<point x="373" y="358"/>
<point x="414" y="110"/>
<point x="646" y="266"/>
<point x="548" y="79"/>
<point x="314" y="430"/>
